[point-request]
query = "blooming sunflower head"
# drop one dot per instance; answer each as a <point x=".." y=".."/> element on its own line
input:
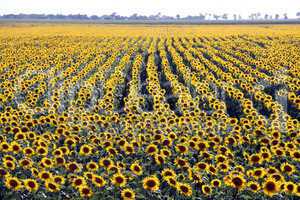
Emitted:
<point x="119" y="180"/>
<point x="151" y="183"/>
<point x="128" y="194"/>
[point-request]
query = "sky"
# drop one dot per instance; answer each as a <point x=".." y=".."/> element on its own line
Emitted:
<point x="148" y="7"/>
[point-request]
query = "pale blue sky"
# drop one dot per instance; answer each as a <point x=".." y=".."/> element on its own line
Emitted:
<point x="147" y="7"/>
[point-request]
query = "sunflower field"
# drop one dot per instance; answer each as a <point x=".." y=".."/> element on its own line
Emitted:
<point x="149" y="112"/>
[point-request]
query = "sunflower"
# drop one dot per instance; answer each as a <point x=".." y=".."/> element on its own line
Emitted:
<point x="290" y="187"/>
<point x="8" y="164"/>
<point x="98" y="181"/>
<point x="127" y="194"/>
<point x="106" y="162"/>
<point x="46" y="163"/>
<point x="272" y="170"/>
<point x="45" y="175"/>
<point x="297" y="192"/>
<point x="15" y="147"/>
<point x="128" y="148"/>
<point x="31" y="185"/>
<point x="73" y="167"/>
<point x="78" y="181"/>
<point x="34" y="172"/>
<point x="20" y="136"/>
<point x="295" y="154"/>
<point x="168" y="173"/>
<point x="85" y="150"/>
<point x="271" y="187"/>
<point x="201" y="166"/>
<point x="224" y="167"/>
<point x="206" y="189"/>
<point x="182" y="148"/>
<point x="238" y="182"/>
<point x="258" y="173"/>
<point x="119" y="180"/>
<point x="184" y="189"/>
<point x="42" y="151"/>
<point x="266" y="156"/>
<point x="253" y="186"/>
<point x="114" y="169"/>
<point x="255" y="159"/>
<point x="278" y="177"/>
<point x="165" y="152"/>
<point x="13" y="183"/>
<point x="181" y="162"/>
<point x="151" y="183"/>
<point x="151" y="149"/>
<point x="215" y="183"/>
<point x="26" y="163"/>
<point x="57" y="153"/>
<point x="85" y="191"/>
<point x="59" y="179"/>
<point x="92" y="166"/>
<point x="112" y="151"/>
<point x="287" y="168"/>
<point x="28" y="151"/>
<point x="136" y="169"/>
<point x="159" y="159"/>
<point x="59" y="161"/>
<point x="171" y="181"/>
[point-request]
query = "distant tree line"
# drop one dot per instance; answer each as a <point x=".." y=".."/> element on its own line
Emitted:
<point x="158" y="17"/>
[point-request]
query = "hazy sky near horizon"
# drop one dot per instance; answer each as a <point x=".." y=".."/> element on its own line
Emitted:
<point x="148" y="7"/>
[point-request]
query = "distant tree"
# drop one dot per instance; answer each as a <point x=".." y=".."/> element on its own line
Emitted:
<point x="277" y="16"/>
<point x="258" y="15"/>
<point x="208" y="16"/>
<point x="202" y="16"/>
<point x="240" y="17"/>
<point x="216" y="16"/>
<point x="113" y="15"/>
<point x="235" y="17"/>
<point x="252" y="16"/>
<point x="266" y="17"/>
<point x="134" y="16"/>
<point x="225" y="16"/>
<point x="94" y="17"/>
<point x="285" y="16"/>
<point x="158" y="15"/>
<point x="177" y="16"/>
